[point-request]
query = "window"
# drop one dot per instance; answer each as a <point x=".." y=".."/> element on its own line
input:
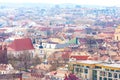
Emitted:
<point x="81" y="70"/>
<point x="100" y="78"/>
<point x="119" y="76"/>
<point x="115" y="75"/>
<point x="78" y="65"/>
<point x="109" y="79"/>
<point x="94" y="75"/>
<point x="102" y="73"/>
<point x="76" y="69"/>
<point x="97" y="67"/>
<point x="87" y="66"/>
<point x="105" y="79"/>
<point x="117" y="70"/>
<point x="106" y="69"/>
<point x="105" y="73"/>
<point x="109" y="74"/>
<point x="86" y="71"/>
<point x="112" y="70"/>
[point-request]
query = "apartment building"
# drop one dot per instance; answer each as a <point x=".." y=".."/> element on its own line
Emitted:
<point x="95" y="70"/>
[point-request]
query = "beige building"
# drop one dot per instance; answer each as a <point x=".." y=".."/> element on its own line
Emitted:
<point x="95" y="70"/>
<point x="117" y="34"/>
<point x="59" y="74"/>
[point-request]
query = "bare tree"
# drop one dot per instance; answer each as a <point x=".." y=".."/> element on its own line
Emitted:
<point x="25" y="59"/>
<point x="36" y="60"/>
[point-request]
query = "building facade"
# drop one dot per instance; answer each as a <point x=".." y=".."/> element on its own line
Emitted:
<point x="95" y="70"/>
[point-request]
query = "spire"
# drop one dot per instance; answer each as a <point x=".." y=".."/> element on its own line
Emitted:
<point x="40" y="42"/>
<point x="40" y="45"/>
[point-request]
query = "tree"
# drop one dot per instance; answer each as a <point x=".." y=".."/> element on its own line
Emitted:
<point x="25" y="59"/>
<point x="36" y="60"/>
<point x="54" y="59"/>
<point x="12" y="60"/>
<point x="65" y="57"/>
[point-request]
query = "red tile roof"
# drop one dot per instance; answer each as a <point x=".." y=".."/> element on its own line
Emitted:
<point x="80" y="57"/>
<point x="21" y="44"/>
<point x="65" y="55"/>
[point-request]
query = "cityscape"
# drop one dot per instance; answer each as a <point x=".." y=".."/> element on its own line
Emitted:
<point x="66" y="41"/>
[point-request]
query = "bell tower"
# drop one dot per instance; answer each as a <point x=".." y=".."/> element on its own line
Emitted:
<point x="117" y="34"/>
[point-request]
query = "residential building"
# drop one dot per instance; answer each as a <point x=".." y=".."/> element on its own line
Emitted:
<point x="7" y="72"/>
<point x="95" y="70"/>
<point x="59" y="74"/>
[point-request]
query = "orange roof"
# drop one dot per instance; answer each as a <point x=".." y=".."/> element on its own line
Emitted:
<point x="21" y="44"/>
<point x="104" y="58"/>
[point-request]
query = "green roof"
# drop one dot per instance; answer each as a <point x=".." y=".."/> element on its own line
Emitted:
<point x="73" y="41"/>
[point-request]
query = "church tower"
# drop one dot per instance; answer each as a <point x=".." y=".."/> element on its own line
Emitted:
<point x="117" y="34"/>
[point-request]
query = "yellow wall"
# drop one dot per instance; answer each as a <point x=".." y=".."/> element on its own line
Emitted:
<point x="89" y="75"/>
<point x="117" y="34"/>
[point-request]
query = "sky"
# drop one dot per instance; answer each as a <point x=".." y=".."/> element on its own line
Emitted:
<point x="83" y="2"/>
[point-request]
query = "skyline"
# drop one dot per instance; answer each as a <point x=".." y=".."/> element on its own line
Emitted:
<point x="81" y="2"/>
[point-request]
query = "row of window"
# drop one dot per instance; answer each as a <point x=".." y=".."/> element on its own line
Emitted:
<point x="102" y="73"/>
<point x="81" y="70"/>
<point x="82" y="66"/>
<point x="100" y="78"/>
<point x="109" y="74"/>
<point x="98" y="67"/>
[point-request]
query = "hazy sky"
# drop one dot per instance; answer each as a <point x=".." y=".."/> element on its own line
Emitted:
<point x="89" y="2"/>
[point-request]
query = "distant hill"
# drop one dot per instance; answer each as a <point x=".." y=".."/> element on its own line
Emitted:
<point x="45" y="5"/>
